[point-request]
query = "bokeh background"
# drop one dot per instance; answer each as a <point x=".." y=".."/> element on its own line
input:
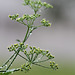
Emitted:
<point x="59" y="38"/>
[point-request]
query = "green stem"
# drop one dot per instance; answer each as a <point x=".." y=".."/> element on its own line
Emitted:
<point x="26" y="35"/>
<point x="28" y="56"/>
<point x="2" y="71"/>
<point x="42" y="61"/>
<point x="41" y="66"/>
<point x="8" y="60"/>
<point x="35" y="57"/>
<point x="18" y="50"/>
<point x="31" y="32"/>
<point x="31" y="57"/>
<point x="13" y="59"/>
<point x="38" y="26"/>
<point x="22" y="57"/>
<point x="16" y="70"/>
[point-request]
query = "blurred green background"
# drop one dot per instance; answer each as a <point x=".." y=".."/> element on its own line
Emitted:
<point x="59" y="38"/>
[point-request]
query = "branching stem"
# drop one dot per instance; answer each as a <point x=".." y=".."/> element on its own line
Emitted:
<point x="26" y="35"/>
<point x="42" y="61"/>
<point x="13" y="59"/>
<point x="41" y="66"/>
<point x="8" y="60"/>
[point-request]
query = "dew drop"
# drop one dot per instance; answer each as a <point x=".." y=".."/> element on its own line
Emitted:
<point x="1" y="67"/>
<point x="6" y="66"/>
<point x="10" y="60"/>
<point x="30" y="33"/>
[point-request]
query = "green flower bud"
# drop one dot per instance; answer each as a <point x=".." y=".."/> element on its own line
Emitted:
<point x="53" y="62"/>
<point x="18" y="19"/>
<point x="11" y="46"/>
<point x="43" y="21"/>
<point x="49" y="57"/>
<point x="31" y="16"/>
<point x="39" y="15"/>
<point x="49" y="24"/>
<point x="41" y="50"/>
<point x="48" y="54"/>
<point x="24" y="16"/>
<point x="37" y="52"/>
<point x="17" y="15"/>
<point x="31" y="51"/>
<point x="26" y="45"/>
<point x="34" y="51"/>
<point x="21" y="43"/>
<point x="25" y="52"/>
<point x="9" y="50"/>
<point x="39" y="6"/>
<point x="49" y="6"/>
<point x="30" y="47"/>
<point x="15" y="45"/>
<point x="12" y="19"/>
<point x="50" y="62"/>
<point x="56" y="65"/>
<point x="36" y="2"/>
<point x="39" y="2"/>
<point x="44" y="3"/>
<point x="34" y="47"/>
<point x="10" y="16"/>
<point x="27" y="2"/>
<point x="47" y="51"/>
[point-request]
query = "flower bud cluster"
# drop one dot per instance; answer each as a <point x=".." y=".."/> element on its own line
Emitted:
<point x="53" y="65"/>
<point x="13" y="17"/>
<point x="30" y="18"/>
<point x="26" y="2"/>
<point x="36" y="5"/>
<point x="25" y="67"/>
<point x="47" y="5"/>
<point x="21" y="19"/>
<point x="17" y="46"/>
<point x="38" y="51"/>
<point x="45" y="23"/>
<point x="49" y="56"/>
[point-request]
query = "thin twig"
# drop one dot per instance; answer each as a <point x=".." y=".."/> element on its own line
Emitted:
<point x="42" y="61"/>
<point x="35" y="57"/>
<point x="13" y="59"/>
<point x="41" y="66"/>
<point x="23" y="57"/>
<point x="26" y="35"/>
<point x="8" y="60"/>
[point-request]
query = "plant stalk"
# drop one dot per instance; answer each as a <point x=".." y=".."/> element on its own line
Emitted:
<point x="26" y="35"/>
<point x="41" y="66"/>
<point x="42" y="61"/>
<point x="8" y="60"/>
<point x="13" y="59"/>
